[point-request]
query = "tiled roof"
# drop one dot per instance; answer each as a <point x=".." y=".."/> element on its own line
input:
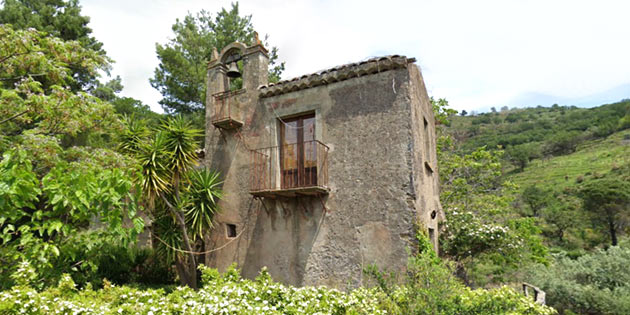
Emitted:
<point x="339" y="73"/>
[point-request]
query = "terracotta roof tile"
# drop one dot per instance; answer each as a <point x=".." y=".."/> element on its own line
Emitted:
<point x="335" y="74"/>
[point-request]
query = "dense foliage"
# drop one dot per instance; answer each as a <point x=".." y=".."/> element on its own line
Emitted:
<point x="429" y="288"/>
<point x="596" y="283"/>
<point x="43" y="219"/>
<point x="573" y="172"/>
<point x="181" y="199"/>
<point x="482" y="234"/>
<point x="35" y="95"/>
<point x="61" y="19"/>
<point x="220" y="294"/>
<point x="57" y="175"/>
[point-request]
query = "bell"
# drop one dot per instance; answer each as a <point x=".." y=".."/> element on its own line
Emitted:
<point x="233" y="71"/>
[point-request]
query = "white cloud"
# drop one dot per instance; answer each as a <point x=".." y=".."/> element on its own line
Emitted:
<point x="476" y="54"/>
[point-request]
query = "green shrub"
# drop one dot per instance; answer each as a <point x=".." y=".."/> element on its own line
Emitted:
<point x="90" y="257"/>
<point x="429" y="287"/>
<point x="220" y="294"/>
<point x="563" y="143"/>
<point x="503" y="300"/>
<point x="595" y="283"/>
<point x="604" y="129"/>
<point x="25" y="275"/>
<point x="122" y="265"/>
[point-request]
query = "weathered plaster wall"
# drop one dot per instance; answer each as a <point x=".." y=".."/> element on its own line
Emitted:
<point x="378" y="188"/>
<point x="426" y="181"/>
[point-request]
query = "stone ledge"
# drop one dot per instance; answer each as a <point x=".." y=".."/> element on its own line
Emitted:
<point x="291" y="192"/>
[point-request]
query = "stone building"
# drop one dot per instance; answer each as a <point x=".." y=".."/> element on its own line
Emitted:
<point x="323" y="174"/>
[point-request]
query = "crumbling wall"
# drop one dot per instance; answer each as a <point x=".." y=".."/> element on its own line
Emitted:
<point x="425" y="166"/>
<point x="378" y="190"/>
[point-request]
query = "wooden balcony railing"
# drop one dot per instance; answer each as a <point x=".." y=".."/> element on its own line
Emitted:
<point x="289" y="170"/>
<point x="227" y="110"/>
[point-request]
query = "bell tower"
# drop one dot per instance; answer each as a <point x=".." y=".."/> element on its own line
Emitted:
<point x="255" y="65"/>
<point x="224" y="106"/>
<point x="223" y="66"/>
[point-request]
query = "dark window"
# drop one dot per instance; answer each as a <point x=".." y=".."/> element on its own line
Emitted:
<point x="298" y="154"/>
<point x="432" y="236"/>
<point x="231" y="230"/>
<point x="427" y="141"/>
<point x="428" y="168"/>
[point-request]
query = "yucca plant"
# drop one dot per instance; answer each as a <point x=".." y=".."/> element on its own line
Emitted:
<point x="204" y="192"/>
<point x="169" y="233"/>
<point x="181" y="143"/>
<point x="175" y="191"/>
<point x="156" y="173"/>
<point x="133" y="135"/>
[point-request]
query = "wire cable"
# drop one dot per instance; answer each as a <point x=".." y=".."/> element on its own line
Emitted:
<point x="199" y="253"/>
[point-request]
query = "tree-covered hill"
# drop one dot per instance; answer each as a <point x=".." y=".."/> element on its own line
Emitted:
<point x="530" y="133"/>
<point x="553" y="155"/>
<point x="597" y="156"/>
<point x="569" y="170"/>
<point x="555" y="185"/>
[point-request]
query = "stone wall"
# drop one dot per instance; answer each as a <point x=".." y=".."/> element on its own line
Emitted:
<point x="379" y="184"/>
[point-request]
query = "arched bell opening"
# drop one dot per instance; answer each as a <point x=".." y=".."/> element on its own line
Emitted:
<point x="232" y="61"/>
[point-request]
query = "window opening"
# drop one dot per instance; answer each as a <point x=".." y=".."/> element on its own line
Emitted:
<point x="432" y="236"/>
<point x="298" y="154"/>
<point x="428" y="168"/>
<point x="427" y="141"/>
<point x="230" y="230"/>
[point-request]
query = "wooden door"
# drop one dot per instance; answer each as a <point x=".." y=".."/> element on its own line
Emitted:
<point x="298" y="152"/>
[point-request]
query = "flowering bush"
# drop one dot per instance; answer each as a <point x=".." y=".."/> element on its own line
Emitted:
<point x="429" y="287"/>
<point x="503" y="300"/>
<point x="469" y="235"/>
<point x="481" y="233"/>
<point x="220" y="294"/>
<point x="431" y="291"/>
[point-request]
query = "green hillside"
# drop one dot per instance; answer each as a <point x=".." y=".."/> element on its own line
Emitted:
<point x="549" y="145"/>
<point x="597" y="156"/>
<point x="531" y="133"/>
<point x="553" y="154"/>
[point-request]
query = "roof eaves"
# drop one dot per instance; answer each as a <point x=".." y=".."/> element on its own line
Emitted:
<point x="335" y="74"/>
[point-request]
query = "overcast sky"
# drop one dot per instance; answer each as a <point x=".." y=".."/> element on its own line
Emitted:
<point x="476" y="54"/>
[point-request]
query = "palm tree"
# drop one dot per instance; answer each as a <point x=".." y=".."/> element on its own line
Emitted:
<point x="181" y="198"/>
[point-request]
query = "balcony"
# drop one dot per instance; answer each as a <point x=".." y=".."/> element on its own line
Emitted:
<point x="227" y="110"/>
<point x="290" y="170"/>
